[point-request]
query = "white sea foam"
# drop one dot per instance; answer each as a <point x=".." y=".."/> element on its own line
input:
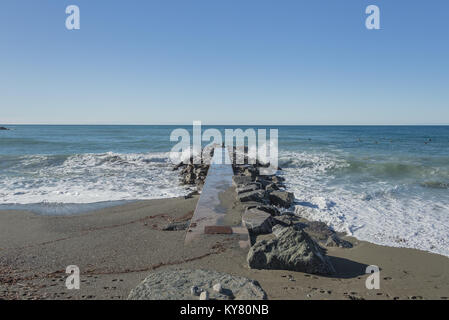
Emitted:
<point x="379" y="212"/>
<point x="90" y="178"/>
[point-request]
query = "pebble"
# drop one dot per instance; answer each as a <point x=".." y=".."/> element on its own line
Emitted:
<point x="195" y="291"/>
<point x="217" y="288"/>
<point x="204" y="295"/>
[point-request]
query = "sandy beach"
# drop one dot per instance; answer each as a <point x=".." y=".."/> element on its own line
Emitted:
<point x="116" y="248"/>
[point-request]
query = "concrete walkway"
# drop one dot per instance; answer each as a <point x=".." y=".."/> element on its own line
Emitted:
<point x="209" y="214"/>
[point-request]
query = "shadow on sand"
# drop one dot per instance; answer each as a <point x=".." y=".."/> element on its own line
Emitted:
<point x="347" y="269"/>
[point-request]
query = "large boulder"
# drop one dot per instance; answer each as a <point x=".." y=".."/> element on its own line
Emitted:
<point x="288" y="219"/>
<point x="323" y="234"/>
<point x="266" y="208"/>
<point x="250" y="172"/>
<point x="178" y="284"/>
<point x="257" y="221"/>
<point x="272" y="187"/>
<point x="291" y="249"/>
<point x="282" y="198"/>
<point x="277" y="179"/>
<point x="256" y="196"/>
<point x="335" y="241"/>
<point x="248" y="188"/>
<point x="241" y="180"/>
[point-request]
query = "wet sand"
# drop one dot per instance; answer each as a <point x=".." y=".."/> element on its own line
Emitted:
<point x="116" y="248"/>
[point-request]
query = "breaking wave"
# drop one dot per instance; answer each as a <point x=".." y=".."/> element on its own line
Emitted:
<point x="87" y="178"/>
<point x="353" y="197"/>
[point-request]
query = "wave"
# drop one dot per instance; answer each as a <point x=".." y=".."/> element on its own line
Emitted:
<point x="435" y="185"/>
<point x="400" y="168"/>
<point x="88" y="178"/>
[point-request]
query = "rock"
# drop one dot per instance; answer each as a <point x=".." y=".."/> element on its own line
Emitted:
<point x="287" y="220"/>
<point x="195" y="291"/>
<point x="248" y="188"/>
<point x="272" y="187"/>
<point x="218" y="288"/>
<point x="176" y="226"/>
<point x="188" y="169"/>
<point x="263" y="182"/>
<point x="241" y="180"/>
<point x="257" y="221"/>
<point x="176" y="285"/>
<point x="250" y="172"/>
<point x="204" y="295"/>
<point x="278" y="230"/>
<point x="3" y="128"/>
<point x="318" y="230"/>
<point x="189" y="178"/>
<point x="322" y="233"/>
<point x="277" y="179"/>
<point x="240" y="168"/>
<point x="191" y="194"/>
<point x="335" y="241"/>
<point x="257" y="196"/>
<point x="179" y="165"/>
<point x="266" y="208"/>
<point x="282" y="198"/>
<point x="291" y="250"/>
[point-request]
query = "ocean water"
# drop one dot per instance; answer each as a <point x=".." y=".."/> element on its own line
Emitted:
<point x="384" y="184"/>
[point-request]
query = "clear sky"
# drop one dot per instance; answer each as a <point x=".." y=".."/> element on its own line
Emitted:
<point x="224" y="62"/>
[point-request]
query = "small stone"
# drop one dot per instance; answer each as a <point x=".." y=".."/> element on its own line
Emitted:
<point x="176" y="226"/>
<point x="204" y="295"/>
<point x="195" y="291"/>
<point x="217" y="288"/>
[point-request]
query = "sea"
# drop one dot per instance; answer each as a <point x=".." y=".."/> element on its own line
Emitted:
<point x="388" y="185"/>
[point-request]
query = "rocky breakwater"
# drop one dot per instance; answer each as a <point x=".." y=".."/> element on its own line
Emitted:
<point x="194" y="173"/>
<point x="280" y="239"/>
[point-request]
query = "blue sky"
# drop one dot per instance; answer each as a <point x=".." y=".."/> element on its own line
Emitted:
<point x="224" y="62"/>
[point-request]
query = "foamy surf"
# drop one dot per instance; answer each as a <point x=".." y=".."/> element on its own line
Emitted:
<point x="56" y="183"/>
<point x="378" y="211"/>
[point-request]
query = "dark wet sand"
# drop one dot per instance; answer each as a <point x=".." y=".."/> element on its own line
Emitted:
<point x="115" y="248"/>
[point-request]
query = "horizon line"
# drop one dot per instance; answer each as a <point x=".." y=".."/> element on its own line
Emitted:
<point x="214" y="124"/>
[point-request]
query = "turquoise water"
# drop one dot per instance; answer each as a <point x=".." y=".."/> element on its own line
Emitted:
<point x="385" y="184"/>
